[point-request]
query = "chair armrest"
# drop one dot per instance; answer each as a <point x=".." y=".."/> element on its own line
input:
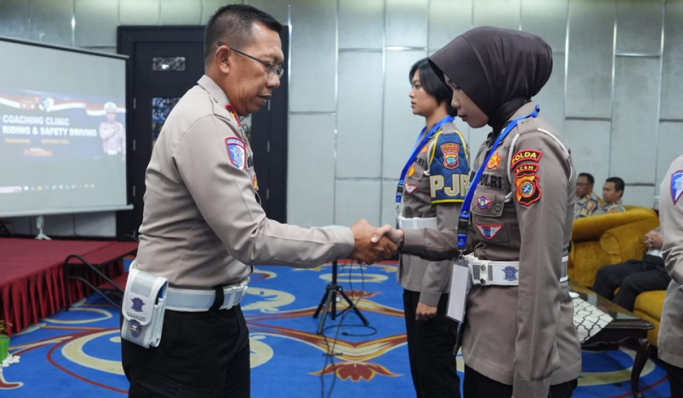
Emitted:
<point x="592" y="228"/>
<point x="626" y="242"/>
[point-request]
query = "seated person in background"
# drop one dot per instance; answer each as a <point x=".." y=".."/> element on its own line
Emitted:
<point x="612" y="192"/>
<point x="634" y="276"/>
<point x="586" y="201"/>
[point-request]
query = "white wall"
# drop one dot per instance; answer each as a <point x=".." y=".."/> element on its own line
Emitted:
<point x="614" y="93"/>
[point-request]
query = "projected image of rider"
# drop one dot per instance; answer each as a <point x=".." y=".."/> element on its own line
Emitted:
<point x="113" y="133"/>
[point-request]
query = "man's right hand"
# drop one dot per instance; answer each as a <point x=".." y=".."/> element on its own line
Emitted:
<point x="395" y="235"/>
<point x="370" y="245"/>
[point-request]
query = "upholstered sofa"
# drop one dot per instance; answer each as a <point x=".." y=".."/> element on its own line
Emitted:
<point x="612" y="239"/>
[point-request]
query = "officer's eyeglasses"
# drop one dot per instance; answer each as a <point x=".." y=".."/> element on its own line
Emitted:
<point x="271" y="68"/>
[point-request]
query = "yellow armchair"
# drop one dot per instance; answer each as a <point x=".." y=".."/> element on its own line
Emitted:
<point x="601" y="240"/>
<point x="593" y="246"/>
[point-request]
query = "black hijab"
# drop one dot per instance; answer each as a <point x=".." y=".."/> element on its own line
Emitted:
<point x="499" y="69"/>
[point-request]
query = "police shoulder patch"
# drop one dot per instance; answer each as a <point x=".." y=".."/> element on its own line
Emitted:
<point x="591" y="204"/>
<point x="528" y="191"/>
<point x="450" y="153"/>
<point x="237" y="152"/>
<point x="676" y="185"/>
<point x="526" y="168"/>
<point x="526" y="154"/>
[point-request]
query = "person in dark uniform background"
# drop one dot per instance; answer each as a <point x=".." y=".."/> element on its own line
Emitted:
<point x="434" y="184"/>
<point x="634" y="277"/>
<point x="519" y="337"/>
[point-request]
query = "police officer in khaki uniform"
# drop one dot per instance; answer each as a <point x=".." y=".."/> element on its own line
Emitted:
<point x="612" y="192"/>
<point x="203" y="226"/>
<point x="432" y="189"/>
<point x="670" y="347"/>
<point x="586" y="200"/>
<point x="113" y="133"/>
<point x="519" y="337"/>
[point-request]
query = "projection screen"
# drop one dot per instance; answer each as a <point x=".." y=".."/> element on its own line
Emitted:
<point x="62" y="130"/>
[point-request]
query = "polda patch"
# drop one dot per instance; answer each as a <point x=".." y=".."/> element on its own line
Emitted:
<point x="526" y="154"/>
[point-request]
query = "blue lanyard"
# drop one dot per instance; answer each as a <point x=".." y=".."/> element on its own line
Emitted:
<point x="416" y="150"/>
<point x="463" y="221"/>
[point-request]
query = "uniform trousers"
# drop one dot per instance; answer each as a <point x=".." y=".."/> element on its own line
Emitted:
<point x="201" y="355"/>
<point x="430" y="349"/>
<point x="675" y="379"/>
<point x="476" y="385"/>
<point x="632" y="278"/>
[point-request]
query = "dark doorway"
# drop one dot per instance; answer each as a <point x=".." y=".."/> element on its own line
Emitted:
<point x="164" y="63"/>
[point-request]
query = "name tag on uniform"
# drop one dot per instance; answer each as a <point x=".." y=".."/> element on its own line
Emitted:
<point x="460" y="286"/>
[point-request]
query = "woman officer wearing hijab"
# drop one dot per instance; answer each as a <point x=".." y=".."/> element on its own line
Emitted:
<point x="519" y="337"/>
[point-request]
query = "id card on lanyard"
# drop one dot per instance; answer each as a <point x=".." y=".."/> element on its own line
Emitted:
<point x="461" y="280"/>
<point x="419" y="144"/>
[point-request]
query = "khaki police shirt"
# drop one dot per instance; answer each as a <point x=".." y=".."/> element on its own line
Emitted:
<point x="202" y="224"/>
<point x="670" y="342"/>
<point x="522" y="210"/>
<point x="609" y="208"/>
<point x="113" y="138"/>
<point x="430" y="278"/>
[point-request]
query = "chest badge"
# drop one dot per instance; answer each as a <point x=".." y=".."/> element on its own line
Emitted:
<point x="488" y="232"/>
<point x="494" y="162"/>
<point x="237" y="152"/>
<point x="450" y="155"/>
<point x="676" y="185"/>
<point x="411" y="171"/>
<point x="484" y="203"/>
<point x="254" y="181"/>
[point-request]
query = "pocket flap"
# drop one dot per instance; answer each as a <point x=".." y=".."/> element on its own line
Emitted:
<point x="489" y="205"/>
<point x="140" y="297"/>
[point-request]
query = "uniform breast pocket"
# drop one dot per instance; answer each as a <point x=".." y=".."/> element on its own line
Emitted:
<point x="415" y="179"/>
<point x="487" y="216"/>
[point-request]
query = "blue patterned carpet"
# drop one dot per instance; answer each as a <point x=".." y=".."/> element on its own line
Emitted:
<point x="77" y="353"/>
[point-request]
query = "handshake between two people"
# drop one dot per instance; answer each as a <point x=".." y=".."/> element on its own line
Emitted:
<point x="372" y="244"/>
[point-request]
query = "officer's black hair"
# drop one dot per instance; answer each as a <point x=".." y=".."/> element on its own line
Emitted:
<point x="589" y="177"/>
<point x="433" y="85"/>
<point x="618" y="184"/>
<point x="233" y="23"/>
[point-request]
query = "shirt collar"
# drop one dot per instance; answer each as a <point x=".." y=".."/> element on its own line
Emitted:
<point x="217" y="94"/>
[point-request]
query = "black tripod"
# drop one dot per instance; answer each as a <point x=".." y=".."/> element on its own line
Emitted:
<point x="329" y="302"/>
